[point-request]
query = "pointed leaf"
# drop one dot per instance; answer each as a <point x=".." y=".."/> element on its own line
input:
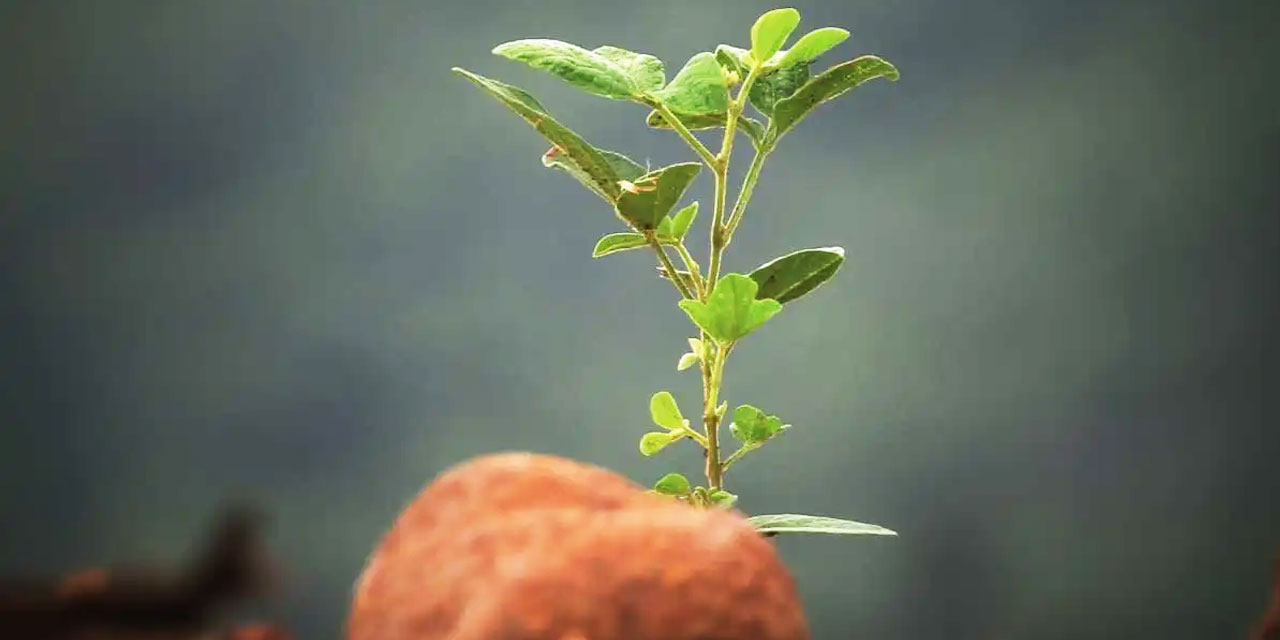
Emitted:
<point x="672" y="484"/>
<point x="645" y="71"/>
<point x="793" y="523"/>
<point x="625" y="168"/>
<point x="683" y="218"/>
<point x="746" y="126"/>
<point x="752" y="426"/>
<point x="655" y="441"/>
<point x="813" y="44"/>
<point x="783" y="83"/>
<point x="771" y="30"/>
<point x="656" y="193"/>
<point x="687" y="360"/>
<point x="616" y="242"/>
<point x="732" y="310"/>
<point x="586" y="158"/>
<point x="698" y="88"/>
<point x="583" y="69"/>
<point x="786" y="278"/>
<point x="828" y="85"/>
<point x="665" y="413"/>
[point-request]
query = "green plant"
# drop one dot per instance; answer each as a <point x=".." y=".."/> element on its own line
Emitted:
<point x="711" y="91"/>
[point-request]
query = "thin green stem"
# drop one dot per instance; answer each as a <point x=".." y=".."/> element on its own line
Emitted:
<point x="734" y="457"/>
<point x="684" y="132"/>
<point x="744" y="194"/>
<point x="692" y="266"/>
<point x="665" y="260"/>
<point x="719" y="237"/>
<point x="711" y="420"/>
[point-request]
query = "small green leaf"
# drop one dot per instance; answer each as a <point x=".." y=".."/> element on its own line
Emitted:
<point x="687" y="360"/>
<point x="771" y="30"/>
<point x="615" y="242"/>
<point x="672" y="484"/>
<point x="827" y="85"/>
<point x="697" y="89"/>
<point x="665" y="413"/>
<point x="732" y="310"/>
<point x="583" y="69"/>
<point x="597" y="168"/>
<point x="683" y="218"/>
<point x="768" y="90"/>
<point x="813" y="44"/>
<point x="625" y="168"/>
<point x="655" y="441"/>
<point x="645" y="71"/>
<point x="655" y="194"/>
<point x="722" y="498"/>
<point x="786" y="278"/>
<point x="746" y="126"/>
<point x="733" y="59"/>
<point x="793" y="523"/>
<point x="720" y="410"/>
<point x="753" y="427"/>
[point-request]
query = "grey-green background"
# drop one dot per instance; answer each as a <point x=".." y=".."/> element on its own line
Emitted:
<point x="276" y="250"/>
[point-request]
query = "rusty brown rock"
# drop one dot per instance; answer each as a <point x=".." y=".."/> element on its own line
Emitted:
<point x="521" y="546"/>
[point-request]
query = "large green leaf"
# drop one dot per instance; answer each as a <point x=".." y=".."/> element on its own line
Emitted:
<point x="645" y="71"/>
<point x="813" y="44"/>
<point x="697" y="89"/>
<point x="584" y="69"/>
<point x="732" y="310"/>
<point x="827" y="85"/>
<point x="753" y="426"/>
<point x="654" y="194"/>
<point x="794" y="523"/>
<point x="746" y="126"/>
<point x="594" y="167"/>
<point x="625" y="168"/>
<point x="771" y="30"/>
<point x="768" y="90"/>
<point x="786" y="278"/>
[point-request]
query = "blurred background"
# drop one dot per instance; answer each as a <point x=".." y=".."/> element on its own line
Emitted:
<point x="276" y="251"/>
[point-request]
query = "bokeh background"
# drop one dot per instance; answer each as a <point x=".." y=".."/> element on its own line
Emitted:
<point x="276" y="251"/>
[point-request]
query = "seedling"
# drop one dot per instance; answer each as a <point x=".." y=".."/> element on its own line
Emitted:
<point x="712" y="91"/>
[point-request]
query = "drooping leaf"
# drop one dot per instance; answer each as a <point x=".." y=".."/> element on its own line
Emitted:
<point x="721" y="498"/>
<point x="746" y="126"/>
<point x="616" y="242"/>
<point x="771" y="30"/>
<point x="794" y="523"/>
<point x="672" y="484"/>
<point x="586" y="158"/>
<point x="732" y="310"/>
<point x="655" y="441"/>
<point x="625" y="168"/>
<point x="655" y="194"/>
<point x="683" y="218"/>
<point x="645" y="71"/>
<point x="813" y="44"/>
<point x="698" y="88"/>
<point x="581" y="68"/>
<point x="665" y="413"/>
<point x="827" y="85"/>
<point x="753" y="427"/>
<point x="786" y="278"/>
<point x="768" y="90"/>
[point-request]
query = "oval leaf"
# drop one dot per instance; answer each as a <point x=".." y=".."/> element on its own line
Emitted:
<point x="829" y="84"/>
<point x="813" y="44"/>
<point x="616" y="242"/>
<point x="645" y="71"/>
<point x="732" y="310"/>
<point x="665" y="413"/>
<point x="655" y="441"/>
<point x="698" y="88"/>
<point x="771" y="30"/>
<point x="795" y="274"/>
<point x="783" y="83"/>
<point x="753" y="426"/>
<point x="583" y="69"/>
<point x="655" y="194"/>
<point x="721" y="498"/>
<point x="673" y="484"/>
<point x="687" y="360"/>
<point x="793" y="523"/>
<point x="586" y="158"/>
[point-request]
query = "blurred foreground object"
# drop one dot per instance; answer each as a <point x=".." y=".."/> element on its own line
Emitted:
<point x="1269" y="627"/>
<point x="101" y="604"/>
<point x="519" y="546"/>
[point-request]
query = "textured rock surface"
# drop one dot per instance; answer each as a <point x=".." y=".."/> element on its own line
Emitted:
<point x="519" y="546"/>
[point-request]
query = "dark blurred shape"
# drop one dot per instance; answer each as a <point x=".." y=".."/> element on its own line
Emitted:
<point x="1269" y="628"/>
<point x="148" y="602"/>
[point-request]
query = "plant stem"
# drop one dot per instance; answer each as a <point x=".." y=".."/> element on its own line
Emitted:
<point x="666" y="264"/>
<point x="684" y="132"/>
<point x="744" y="194"/>
<point x="711" y="420"/>
<point x="692" y="266"/>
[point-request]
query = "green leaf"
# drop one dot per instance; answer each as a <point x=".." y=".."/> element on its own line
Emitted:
<point x="770" y="32"/>
<point x="656" y="193"/>
<point x="592" y="164"/>
<point x="616" y="242"/>
<point x="753" y="427"/>
<point x="672" y="484"/>
<point x="813" y="44"/>
<point x="687" y="360"/>
<point x="746" y="126"/>
<point x="646" y="71"/>
<point x="827" y="85"/>
<point x="768" y="90"/>
<point x="793" y="523"/>
<point x="665" y="413"/>
<point x="786" y="278"/>
<point x="655" y="441"/>
<point x="732" y="311"/>
<point x="733" y="59"/>
<point x="698" y="88"/>
<point x="583" y="69"/>
<point x="625" y="168"/>
<point x="722" y="498"/>
<point x="683" y="218"/>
